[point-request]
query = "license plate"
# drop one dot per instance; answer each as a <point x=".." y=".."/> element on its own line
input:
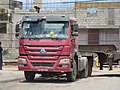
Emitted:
<point x="42" y="69"/>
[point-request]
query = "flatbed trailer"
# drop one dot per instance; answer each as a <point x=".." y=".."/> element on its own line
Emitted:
<point x="106" y="53"/>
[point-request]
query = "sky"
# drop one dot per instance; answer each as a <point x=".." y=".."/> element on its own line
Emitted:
<point x="27" y="3"/>
<point x="63" y="0"/>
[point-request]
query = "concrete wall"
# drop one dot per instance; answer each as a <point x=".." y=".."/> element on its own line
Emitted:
<point x="106" y="36"/>
<point x="5" y="38"/>
<point x="11" y="4"/>
<point x="100" y="20"/>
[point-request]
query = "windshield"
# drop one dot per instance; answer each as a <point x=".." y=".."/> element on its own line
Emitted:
<point x="45" y="29"/>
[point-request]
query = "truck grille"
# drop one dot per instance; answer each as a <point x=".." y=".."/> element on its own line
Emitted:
<point x="50" y="52"/>
<point x="42" y="64"/>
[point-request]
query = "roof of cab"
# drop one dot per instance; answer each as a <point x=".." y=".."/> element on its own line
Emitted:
<point x="48" y="18"/>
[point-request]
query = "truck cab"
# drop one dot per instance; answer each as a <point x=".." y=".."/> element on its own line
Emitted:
<point x="48" y="46"/>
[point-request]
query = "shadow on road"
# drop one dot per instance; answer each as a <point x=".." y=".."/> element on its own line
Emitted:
<point x="46" y="80"/>
<point x="107" y="75"/>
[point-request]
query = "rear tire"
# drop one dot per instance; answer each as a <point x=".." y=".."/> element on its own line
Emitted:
<point x="90" y="65"/>
<point x="84" y="73"/>
<point x="71" y="76"/>
<point x="29" y="76"/>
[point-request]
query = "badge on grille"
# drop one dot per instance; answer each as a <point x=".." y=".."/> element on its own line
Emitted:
<point x="42" y="51"/>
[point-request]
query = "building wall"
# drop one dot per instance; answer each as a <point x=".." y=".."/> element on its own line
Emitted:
<point x="117" y="17"/>
<point x="106" y="36"/>
<point x="11" y="4"/>
<point x="5" y="28"/>
<point x="99" y="21"/>
<point x="83" y="37"/>
<point x="103" y="18"/>
<point x="6" y="38"/>
<point x="6" y="3"/>
<point x="109" y="37"/>
<point x="17" y="4"/>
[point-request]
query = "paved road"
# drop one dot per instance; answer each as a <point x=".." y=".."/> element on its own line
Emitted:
<point x="12" y="79"/>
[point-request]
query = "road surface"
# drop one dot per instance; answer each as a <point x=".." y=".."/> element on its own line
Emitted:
<point x="12" y="79"/>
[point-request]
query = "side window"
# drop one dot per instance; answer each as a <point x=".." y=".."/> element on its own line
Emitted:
<point x="3" y="28"/>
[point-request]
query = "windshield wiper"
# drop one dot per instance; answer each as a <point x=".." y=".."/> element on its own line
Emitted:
<point x="55" y="38"/>
<point x="34" y="37"/>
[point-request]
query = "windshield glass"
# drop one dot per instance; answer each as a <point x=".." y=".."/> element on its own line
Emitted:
<point x="45" y="29"/>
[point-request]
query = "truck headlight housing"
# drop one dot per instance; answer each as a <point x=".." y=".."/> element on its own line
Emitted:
<point x="21" y="60"/>
<point x="64" y="61"/>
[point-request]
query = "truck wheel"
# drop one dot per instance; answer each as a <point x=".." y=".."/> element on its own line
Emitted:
<point x="89" y="71"/>
<point x="29" y="76"/>
<point x="71" y="76"/>
<point x="84" y="73"/>
<point x="110" y="64"/>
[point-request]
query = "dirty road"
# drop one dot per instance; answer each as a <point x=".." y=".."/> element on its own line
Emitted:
<point x="12" y="79"/>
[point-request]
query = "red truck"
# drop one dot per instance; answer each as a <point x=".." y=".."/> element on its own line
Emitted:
<point x="48" y="45"/>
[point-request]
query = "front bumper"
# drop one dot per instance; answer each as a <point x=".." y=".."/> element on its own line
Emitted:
<point x="44" y="65"/>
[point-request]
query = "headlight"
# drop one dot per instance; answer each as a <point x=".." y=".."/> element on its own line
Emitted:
<point x="65" y="61"/>
<point x="21" y="60"/>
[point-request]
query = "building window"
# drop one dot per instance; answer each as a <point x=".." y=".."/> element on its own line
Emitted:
<point x="3" y="28"/>
<point x="92" y="12"/>
<point x="3" y="17"/>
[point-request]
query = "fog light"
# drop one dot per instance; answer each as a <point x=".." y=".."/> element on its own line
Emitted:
<point x="22" y="65"/>
<point x="21" y="60"/>
<point x="65" y="61"/>
<point x="63" y="66"/>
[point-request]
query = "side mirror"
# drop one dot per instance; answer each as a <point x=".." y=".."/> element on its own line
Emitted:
<point x="17" y="35"/>
<point x="75" y="27"/>
<point x="75" y="33"/>
<point x="72" y="27"/>
<point x="17" y="28"/>
<point x="17" y="31"/>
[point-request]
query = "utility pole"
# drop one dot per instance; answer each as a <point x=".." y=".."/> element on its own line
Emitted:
<point x="119" y="38"/>
<point x="75" y="8"/>
<point x="9" y="4"/>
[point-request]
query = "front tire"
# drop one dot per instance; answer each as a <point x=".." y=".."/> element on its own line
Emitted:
<point x="71" y="76"/>
<point x="29" y="76"/>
